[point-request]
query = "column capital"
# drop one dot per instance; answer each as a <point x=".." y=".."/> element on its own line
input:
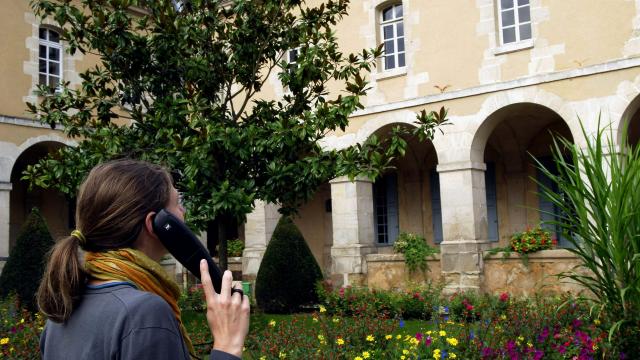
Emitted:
<point x="5" y="186"/>
<point x="461" y="165"/>
<point x="345" y="179"/>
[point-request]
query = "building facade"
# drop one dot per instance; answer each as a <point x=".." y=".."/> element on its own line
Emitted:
<point x="510" y="72"/>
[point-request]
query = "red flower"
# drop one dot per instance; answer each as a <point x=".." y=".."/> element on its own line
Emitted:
<point x="504" y="297"/>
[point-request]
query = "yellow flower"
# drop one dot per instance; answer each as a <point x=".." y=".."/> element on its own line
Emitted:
<point x="442" y="333"/>
<point x="282" y="355"/>
<point x="336" y="320"/>
<point x="414" y="341"/>
<point x="520" y="338"/>
<point x="436" y="354"/>
<point x="321" y="338"/>
<point x="452" y="356"/>
<point x="370" y="338"/>
<point x="365" y="354"/>
<point x="388" y="337"/>
<point x="529" y="344"/>
<point x="315" y="319"/>
<point x="263" y="358"/>
<point x="429" y="332"/>
<point x="357" y="358"/>
<point x="405" y="351"/>
<point x="452" y="341"/>
<point x="4" y="341"/>
<point x="272" y="323"/>
<point x="450" y="322"/>
<point x="503" y="317"/>
<point x="322" y="308"/>
<point x="596" y="321"/>
<point x="398" y="336"/>
<point x="402" y="357"/>
<point x="21" y="321"/>
<point x="340" y="341"/>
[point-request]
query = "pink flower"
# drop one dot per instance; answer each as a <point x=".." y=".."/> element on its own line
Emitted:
<point x="504" y="297"/>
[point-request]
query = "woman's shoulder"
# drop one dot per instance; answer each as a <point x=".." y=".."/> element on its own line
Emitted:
<point x="138" y="307"/>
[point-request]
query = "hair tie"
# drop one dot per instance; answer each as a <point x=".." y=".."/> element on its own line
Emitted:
<point x="78" y="235"/>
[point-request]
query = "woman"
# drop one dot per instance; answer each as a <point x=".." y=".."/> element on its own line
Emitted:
<point x="119" y="303"/>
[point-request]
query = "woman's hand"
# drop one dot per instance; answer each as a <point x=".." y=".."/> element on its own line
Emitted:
<point x="227" y="313"/>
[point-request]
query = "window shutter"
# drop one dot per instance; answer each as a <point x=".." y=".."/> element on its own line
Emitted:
<point x="492" y="201"/>
<point x="391" y="182"/>
<point x="436" y="207"/>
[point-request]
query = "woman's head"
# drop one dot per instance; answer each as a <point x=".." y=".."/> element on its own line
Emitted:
<point x="114" y="203"/>
<point x="114" y="200"/>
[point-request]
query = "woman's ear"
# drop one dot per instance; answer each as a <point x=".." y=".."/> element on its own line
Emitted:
<point x="148" y="224"/>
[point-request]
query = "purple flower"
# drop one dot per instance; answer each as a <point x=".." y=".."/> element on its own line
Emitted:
<point x="401" y="323"/>
<point x="471" y="335"/>
<point x="576" y="323"/>
<point x="444" y="354"/>
<point x="427" y="341"/>
<point x="538" y="354"/>
<point x="486" y="352"/>
<point x="544" y="334"/>
<point x="13" y="330"/>
<point x="419" y="336"/>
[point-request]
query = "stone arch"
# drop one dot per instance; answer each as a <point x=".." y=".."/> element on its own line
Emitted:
<point x="504" y="143"/>
<point x="631" y="120"/>
<point x="624" y="107"/>
<point x="11" y="153"/>
<point x="53" y="205"/>
<point x="489" y="116"/>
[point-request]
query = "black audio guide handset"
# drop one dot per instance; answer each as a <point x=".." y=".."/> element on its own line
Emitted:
<point x="183" y="244"/>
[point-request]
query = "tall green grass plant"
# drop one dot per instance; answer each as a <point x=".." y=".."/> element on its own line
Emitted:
<point x="599" y="203"/>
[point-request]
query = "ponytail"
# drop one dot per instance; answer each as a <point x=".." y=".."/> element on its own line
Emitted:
<point x="63" y="280"/>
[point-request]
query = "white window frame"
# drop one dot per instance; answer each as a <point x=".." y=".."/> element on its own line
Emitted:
<point x="396" y="39"/>
<point x="292" y="64"/>
<point x="50" y="45"/>
<point x="516" y="18"/>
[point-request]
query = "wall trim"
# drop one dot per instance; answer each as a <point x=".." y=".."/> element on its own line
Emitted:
<point x="5" y="119"/>
<point x="610" y="66"/>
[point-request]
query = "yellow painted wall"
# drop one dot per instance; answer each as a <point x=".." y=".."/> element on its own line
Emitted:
<point x="14" y="83"/>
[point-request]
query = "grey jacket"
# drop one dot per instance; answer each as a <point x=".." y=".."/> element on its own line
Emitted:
<point x="117" y="321"/>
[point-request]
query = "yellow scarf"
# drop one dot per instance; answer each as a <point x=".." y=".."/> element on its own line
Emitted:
<point x="136" y="267"/>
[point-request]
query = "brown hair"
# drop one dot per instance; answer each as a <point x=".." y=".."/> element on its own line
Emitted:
<point x="112" y="204"/>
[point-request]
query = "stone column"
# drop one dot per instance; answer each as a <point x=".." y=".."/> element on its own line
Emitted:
<point x="464" y="221"/>
<point x="353" y="229"/>
<point x="257" y="232"/>
<point x="5" y="208"/>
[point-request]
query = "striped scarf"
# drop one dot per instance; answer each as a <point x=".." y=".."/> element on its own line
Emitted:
<point x="134" y="266"/>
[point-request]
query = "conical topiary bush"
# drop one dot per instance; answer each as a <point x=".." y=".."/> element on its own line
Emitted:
<point x="288" y="272"/>
<point x="23" y="271"/>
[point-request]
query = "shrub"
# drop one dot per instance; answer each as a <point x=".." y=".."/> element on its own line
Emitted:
<point x="532" y="240"/>
<point x="235" y="248"/>
<point x="415" y="250"/>
<point x="23" y="271"/>
<point x="288" y="273"/>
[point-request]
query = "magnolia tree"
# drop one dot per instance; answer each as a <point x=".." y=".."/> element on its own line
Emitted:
<point x="178" y="83"/>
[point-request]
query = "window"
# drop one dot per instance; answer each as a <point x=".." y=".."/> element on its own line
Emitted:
<point x="392" y="33"/>
<point x="50" y="58"/>
<point x="385" y="207"/>
<point x="515" y="20"/>
<point x="292" y="58"/>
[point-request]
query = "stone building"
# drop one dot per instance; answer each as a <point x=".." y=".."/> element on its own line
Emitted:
<point x="510" y="72"/>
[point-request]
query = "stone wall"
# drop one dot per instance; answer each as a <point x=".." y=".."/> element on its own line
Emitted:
<point x="388" y="271"/>
<point x="539" y="276"/>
